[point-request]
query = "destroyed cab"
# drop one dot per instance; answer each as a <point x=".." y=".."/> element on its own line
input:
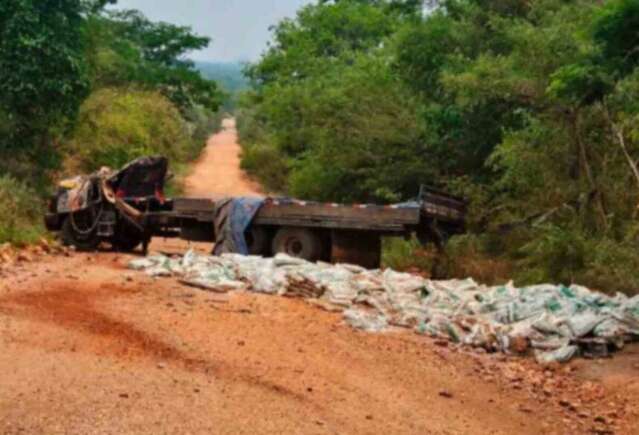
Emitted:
<point x="109" y="206"/>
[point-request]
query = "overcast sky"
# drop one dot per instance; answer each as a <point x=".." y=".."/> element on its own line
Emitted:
<point x="239" y="28"/>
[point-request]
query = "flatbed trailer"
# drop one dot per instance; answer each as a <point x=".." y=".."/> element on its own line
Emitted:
<point x="310" y="230"/>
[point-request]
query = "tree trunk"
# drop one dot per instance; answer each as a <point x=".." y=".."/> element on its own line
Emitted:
<point x="585" y="164"/>
<point x="619" y="136"/>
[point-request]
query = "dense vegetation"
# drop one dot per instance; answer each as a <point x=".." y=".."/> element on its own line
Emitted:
<point x="82" y="87"/>
<point x="528" y="108"/>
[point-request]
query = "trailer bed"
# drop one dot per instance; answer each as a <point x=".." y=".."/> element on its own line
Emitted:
<point x="288" y="212"/>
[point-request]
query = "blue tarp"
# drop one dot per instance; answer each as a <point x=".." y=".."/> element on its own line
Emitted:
<point x="240" y="213"/>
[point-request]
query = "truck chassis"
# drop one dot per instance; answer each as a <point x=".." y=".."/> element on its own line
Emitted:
<point x="314" y="231"/>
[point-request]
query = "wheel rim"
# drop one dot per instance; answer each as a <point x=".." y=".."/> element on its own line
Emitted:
<point x="294" y="246"/>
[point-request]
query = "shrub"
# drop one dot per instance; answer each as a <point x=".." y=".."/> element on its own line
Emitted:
<point x="20" y="213"/>
<point x="470" y="255"/>
<point x="555" y="254"/>
<point x="267" y="164"/>
<point x="116" y="126"/>
<point x="611" y="267"/>
<point x="552" y="254"/>
<point x="405" y="255"/>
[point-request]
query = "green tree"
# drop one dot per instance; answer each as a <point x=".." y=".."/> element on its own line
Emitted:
<point x="528" y="108"/>
<point x="125" y="47"/>
<point x="116" y="126"/>
<point x="337" y="120"/>
<point x="615" y="29"/>
<point x="322" y="35"/>
<point x="42" y="76"/>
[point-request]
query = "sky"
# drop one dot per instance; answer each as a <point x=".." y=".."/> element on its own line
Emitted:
<point x="239" y="28"/>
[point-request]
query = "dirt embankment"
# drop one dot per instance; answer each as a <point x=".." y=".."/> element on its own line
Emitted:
<point x="87" y="347"/>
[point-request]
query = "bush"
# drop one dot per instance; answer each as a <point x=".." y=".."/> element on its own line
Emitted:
<point x="568" y="256"/>
<point x="349" y="134"/>
<point x="407" y="255"/>
<point x="555" y="254"/>
<point x="611" y="267"/>
<point x="471" y="255"/>
<point x="267" y="164"/>
<point x="116" y="126"/>
<point x="20" y="213"/>
<point x="549" y="254"/>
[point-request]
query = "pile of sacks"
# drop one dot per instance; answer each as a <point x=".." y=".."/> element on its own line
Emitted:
<point x="555" y="322"/>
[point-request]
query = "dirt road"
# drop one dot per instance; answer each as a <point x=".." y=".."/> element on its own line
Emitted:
<point x="87" y="347"/>
<point x="217" y="172"/>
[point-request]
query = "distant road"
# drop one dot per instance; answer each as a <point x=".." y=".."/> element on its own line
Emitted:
<point x="217" y="173"/>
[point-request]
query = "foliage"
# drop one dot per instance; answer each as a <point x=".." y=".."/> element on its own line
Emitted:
<point x="56" y="54"/>
<point x="321" y="36"/>
<point x="229" y="75"/>
<point x="20" y="214"/>
<point x="42" y="76"/>
<point x="529" y="109"/>
<point x="41" y="66"/>
<point x="615" y="28"/>
<point x="270" y="164"/>
<point x="116" y="126"/>
<point x="407" y="255"/>
<point x="334" y="112"/>
<point x="125" y="47"/>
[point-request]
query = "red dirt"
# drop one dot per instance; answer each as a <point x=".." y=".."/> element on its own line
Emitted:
<point x="217" y="173"/>
<point x="75" y="309"/>
<point x="87" y="347"/>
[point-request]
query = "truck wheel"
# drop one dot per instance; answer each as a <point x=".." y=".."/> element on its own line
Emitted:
<point x="126" y="238"/>
<point x="257" y="240"/>
<point x="73" y="232"/>
<point x="298" y="242"/>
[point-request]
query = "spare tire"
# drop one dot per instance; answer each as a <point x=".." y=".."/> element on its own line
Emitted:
<point x="298" y="242"/>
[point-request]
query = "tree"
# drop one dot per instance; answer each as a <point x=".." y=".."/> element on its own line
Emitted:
<point x="339" y="121"/>
<point x="125" y="47"/>
<point x="321" y="36"/>
<point x="527" y="108"/>
<point x="615" y="29"/>
<point x="42" y="69"/>
<point x="116" y="126"/>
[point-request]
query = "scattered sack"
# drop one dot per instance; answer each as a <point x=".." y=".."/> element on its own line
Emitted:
<point x="556" y="323"/>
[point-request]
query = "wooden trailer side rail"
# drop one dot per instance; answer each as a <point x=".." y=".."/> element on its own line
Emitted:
<point x="312" y="214"/>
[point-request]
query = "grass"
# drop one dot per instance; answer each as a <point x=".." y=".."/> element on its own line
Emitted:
<point x="404" y="255"/>
<point x="21" y="213"/>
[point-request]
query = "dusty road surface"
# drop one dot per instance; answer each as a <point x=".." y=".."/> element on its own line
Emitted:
<point x="88" y="347"/>
<point x="217" y="172"/>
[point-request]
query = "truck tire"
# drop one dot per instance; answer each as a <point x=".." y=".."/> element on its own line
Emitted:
<point x="72" y="234"/>
<point x="126" y="238"/>
<point x="298" y="242"/>
<point x="257" y="241"/>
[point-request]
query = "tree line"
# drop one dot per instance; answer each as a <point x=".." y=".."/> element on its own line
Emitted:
<point x="528" y="108"/>
<point x="83" y="85"/>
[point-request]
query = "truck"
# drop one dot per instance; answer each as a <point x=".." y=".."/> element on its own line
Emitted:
<point x="127" y="208"/>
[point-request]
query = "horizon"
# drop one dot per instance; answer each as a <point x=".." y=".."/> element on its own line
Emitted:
<point x="239" y="29"/>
